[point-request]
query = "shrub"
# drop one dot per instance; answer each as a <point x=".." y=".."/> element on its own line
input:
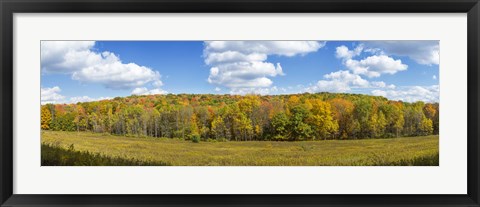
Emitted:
<point x="306" y="147"/>
<point x="222" y="139"/>
<point x="211" y="140"/>
<point x="195" y="138"/>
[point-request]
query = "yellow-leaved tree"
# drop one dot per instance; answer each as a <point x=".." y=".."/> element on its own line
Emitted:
<point x="322" y="118"/>
<point x="46" y="118"/>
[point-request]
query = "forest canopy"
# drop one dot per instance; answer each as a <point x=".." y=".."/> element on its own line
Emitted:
<point x="293" y="117"/>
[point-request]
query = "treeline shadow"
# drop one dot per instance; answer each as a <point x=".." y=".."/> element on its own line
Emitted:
<point x="54" y="155"/>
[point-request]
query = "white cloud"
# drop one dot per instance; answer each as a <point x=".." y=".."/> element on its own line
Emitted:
<point x="372" y="66"/>
<point x="346" y="76"/>
<point x="344" y="53"/>
<point x="66" y="56"/>
<point x="114" y="74"/>
<point x="328" y="86"/>
<point x="379" y="84"/>
<point x="145" y="91"/>
<point x="217" y="89"/>
<point x="233" y="56"/>
<point x="253" y="90"/>
<point x="79" y="59"/>
<point x="51" y="95"/>
<point x="434" y="77"/>
<point x="139" y="91"/>
<point x="344" y="81"/>
<point x="157" y="83"/>
<point x="411" y="94"/>
<point x="285" y="48"/>
<point x="86" y="99"/>
<point x="244" y="74"/>
<point x="375" y="64"/>
<point x="241" y="65"/>
<point x="423" y="51"/>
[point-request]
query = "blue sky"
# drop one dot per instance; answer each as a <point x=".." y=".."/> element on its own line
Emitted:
<point x="73" y="71"/>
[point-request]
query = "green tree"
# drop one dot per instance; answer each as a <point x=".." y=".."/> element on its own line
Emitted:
<point x="279" y="127"/>
<point x="250" y="117"/>
<point x="363" y="112"/>
<point x="299" y="129"/>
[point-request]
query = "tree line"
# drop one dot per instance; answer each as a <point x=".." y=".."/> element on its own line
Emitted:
<point x="243" y="118"/>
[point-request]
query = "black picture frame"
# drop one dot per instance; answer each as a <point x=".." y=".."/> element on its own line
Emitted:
<point x="9" y="7"/>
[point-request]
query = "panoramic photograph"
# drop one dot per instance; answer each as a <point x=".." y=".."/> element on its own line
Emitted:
<point x="240" y="103"/>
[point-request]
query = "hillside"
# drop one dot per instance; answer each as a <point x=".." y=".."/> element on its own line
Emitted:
<point x="201" y="117"/>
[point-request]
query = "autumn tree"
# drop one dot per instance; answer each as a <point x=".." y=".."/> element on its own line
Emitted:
<point x="431" y="112"/>
<point x="426" y="127"/>
<point x="46" y="118"/>
<point x="219" y="130"/>
<point x="363" y="112"/>
<point x="247" y="117"/>
<point x="343" y="113"/>
<point x="321" y="118"/>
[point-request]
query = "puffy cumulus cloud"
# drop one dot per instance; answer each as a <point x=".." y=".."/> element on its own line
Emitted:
<point x="347" y="77"/>
<point x="244" y="74"/>
<point x="285" y="48"/>
<point x="51" y="95"/>
<point x="79" y="59"/>
<point x="145" y="91"/>
<point x="114" y="74"/>
<point x="344" y="81"/>
<point x="241" y="65"/>
<point x="372" y="66"/>
<point x="425" y="52"/>
<point x="411" y="93"/>
<point x="328" y="86"/>
<point x="344" y="53"/>
<point x="66" y="56"/>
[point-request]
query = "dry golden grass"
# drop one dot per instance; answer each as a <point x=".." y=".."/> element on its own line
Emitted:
<point x="395" y="151"/>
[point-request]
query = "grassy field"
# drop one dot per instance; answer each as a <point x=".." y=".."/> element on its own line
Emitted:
<point x="83" y="148"/>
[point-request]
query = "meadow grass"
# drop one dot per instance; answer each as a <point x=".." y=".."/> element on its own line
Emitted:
<point x="407" y="151"/>
<point x="54" y="155"/>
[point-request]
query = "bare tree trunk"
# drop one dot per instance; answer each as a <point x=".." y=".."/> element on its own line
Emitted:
<point x="156" y="120"/>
